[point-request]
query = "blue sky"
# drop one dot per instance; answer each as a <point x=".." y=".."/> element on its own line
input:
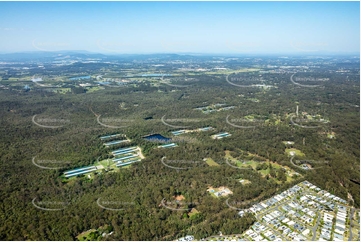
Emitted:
<point x="180" y="27"/>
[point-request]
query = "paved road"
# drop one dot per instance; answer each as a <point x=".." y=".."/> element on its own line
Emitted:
<point x="223" y="236"/>
<point x="266" y="211"/>
<point x="351" y="215"/>
<point x="274" y="208"/>
<point x="314" y="230"/>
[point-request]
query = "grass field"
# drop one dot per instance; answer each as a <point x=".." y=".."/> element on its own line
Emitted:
<point x="85" y="234"/>
<point x="228" y="71"/>
<point x="13" y="79"/>
<point x="244" y="164"/>
<point x="101" y="165"/>
<point x="94" y="89"/>
<point x="249" y="117"/>
<point x="254" y="164"/>
<point x="331" y="135"/>
<point x="296" y="152"/>
<point x="112" y="165"/>
<point x="61" y="90"/>
<point x="244" y="181"/>
<point x="105" y="163"/>
<point x="211" y="162"/>
<point x="193" y="212"/>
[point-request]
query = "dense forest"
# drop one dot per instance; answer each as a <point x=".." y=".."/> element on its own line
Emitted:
<point x="140" y="189"/>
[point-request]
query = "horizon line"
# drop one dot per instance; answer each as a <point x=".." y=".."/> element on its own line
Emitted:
<point x="180" y="53"/>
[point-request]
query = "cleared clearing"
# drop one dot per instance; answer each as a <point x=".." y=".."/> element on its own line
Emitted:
<point x="210" y="162"/>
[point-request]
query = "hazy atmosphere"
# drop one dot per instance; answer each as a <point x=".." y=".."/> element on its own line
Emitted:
<point x="179" y="27"/>
<point x="180" y="121"/>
